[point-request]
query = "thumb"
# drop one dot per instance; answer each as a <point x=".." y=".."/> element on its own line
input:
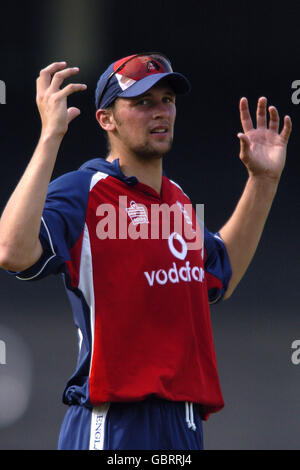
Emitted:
<point x="73" y="113"/>
<point x="244" y="147"/>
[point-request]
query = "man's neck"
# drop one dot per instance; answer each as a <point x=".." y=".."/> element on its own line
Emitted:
<point x="148" y="172"/>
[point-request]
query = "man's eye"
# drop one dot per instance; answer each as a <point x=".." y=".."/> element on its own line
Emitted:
<point x="142" y="102"/>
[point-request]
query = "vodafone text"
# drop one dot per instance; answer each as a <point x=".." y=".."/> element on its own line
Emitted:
<point x="175" y="274"/>
<point x="185" y="273"/>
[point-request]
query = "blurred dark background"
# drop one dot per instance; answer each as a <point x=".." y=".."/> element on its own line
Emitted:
<point x="228" y="50"/>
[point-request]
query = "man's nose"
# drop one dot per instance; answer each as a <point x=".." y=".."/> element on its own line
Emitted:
<point x="160" y="110"/>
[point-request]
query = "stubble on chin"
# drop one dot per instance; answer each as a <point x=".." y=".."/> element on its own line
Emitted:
<point x="147" y="151"/>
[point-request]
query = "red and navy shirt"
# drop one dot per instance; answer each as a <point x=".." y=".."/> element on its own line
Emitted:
<point x="138" y="287"/>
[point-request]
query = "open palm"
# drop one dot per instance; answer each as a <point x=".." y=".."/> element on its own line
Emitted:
<point x="263" y="149"/>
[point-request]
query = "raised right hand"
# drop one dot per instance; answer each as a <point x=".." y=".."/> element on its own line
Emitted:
<point x="52" y="100"/>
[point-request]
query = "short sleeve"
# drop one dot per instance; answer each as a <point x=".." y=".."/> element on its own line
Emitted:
<point x="62" y="223"/>
<point x="217" y="266"/>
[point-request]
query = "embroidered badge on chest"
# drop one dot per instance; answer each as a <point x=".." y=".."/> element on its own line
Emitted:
<point x="137" y="214"/>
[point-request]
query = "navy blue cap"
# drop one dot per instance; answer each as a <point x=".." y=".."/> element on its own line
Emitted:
<point x="130" y="82"/>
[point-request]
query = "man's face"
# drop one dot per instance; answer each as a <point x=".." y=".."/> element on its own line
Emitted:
<point x="145" y="124"/>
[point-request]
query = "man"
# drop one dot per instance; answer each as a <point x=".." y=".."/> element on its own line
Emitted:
<point x="146" y="375"/>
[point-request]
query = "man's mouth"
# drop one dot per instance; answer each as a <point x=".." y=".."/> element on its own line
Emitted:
<point x="159" y="130"/>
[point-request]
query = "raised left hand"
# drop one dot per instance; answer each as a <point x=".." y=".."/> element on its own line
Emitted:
<point x="263" y="149"/>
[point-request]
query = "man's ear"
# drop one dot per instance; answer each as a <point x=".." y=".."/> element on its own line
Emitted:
<point x="106" y="119"/>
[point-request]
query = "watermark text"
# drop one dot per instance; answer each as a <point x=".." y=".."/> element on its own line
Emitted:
<point x="129" y="219"/>
<point x="2" y="352"/>
<point x="295" y="358"/>
<point x="2" y="92"/>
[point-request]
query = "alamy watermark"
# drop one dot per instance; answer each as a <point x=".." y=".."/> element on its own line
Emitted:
<point x="133" y="220"/>
<point x="2" y="352"/>
<point x="295" y="358"/>
<point x="2" y="92"/>
<point x="296" y="94"/>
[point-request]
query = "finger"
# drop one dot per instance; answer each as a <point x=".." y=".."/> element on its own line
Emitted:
<point x="261" y="112"/>
<point x="44" y="79"/>
<point x="246" y="120"/>
<point x="287" y="128"/>
<point x="60" y="76"/>
<point x="274" y="119"/>
<point x="73" y="113"/>
<point x="70" y="89"/>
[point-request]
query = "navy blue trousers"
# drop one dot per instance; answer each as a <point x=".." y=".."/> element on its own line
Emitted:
<point x="151" y="424"/>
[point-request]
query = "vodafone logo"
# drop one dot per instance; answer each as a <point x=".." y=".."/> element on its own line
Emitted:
<point x="175" y="252"/>
<point x="176" y="274"/>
